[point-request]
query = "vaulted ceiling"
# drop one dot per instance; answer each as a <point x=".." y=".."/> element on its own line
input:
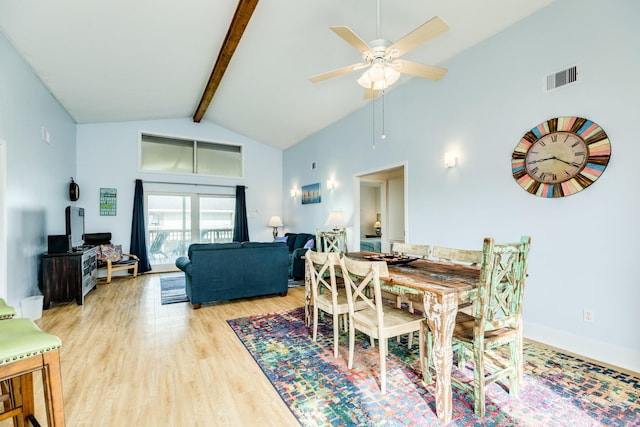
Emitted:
<point x="242" y="64"/>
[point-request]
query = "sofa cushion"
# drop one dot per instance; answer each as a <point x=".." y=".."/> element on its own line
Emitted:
<point x="310" y="244"/>
<point x="301" y="239"/>
<point x="213" y="247"/>
<point x="261" y="244"/>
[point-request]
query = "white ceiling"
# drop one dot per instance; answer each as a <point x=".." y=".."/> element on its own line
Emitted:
<point x="123" y="60"/>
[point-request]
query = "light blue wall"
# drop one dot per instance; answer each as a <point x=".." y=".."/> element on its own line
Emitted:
<point x="37" y="174"/>
<point x="584" y="247"/>
<point x="108" y="157"/>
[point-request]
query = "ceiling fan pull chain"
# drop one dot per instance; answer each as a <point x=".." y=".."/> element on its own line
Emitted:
<point x="373" y="131"/>
<point x="383" y="135"/>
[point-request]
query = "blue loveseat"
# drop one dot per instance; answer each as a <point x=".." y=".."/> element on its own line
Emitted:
<point x="225" y="271"/>
<point x="296" y="243"/>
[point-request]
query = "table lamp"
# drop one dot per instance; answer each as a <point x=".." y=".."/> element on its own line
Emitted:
<point x="377" y="225"/>
<point x="335" y="221"/>
<point x="275" y="222"/>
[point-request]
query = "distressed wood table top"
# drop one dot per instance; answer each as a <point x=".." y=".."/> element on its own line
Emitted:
<point x="432" y="276"/>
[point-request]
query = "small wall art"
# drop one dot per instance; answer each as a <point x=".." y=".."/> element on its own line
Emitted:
<point x="311" y="193"/>
<point x="108" y="198"/>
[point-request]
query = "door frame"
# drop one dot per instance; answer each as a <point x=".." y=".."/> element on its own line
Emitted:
<point x="362" y="176"/>
<point x="4" y="290"/>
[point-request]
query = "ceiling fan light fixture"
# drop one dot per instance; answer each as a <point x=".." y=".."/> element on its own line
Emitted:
<point x="379" y="77"/>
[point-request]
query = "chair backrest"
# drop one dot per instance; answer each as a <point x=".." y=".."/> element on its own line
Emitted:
<point x="96" y="238"/>
<point x="158" y="241"/>
<point x="332" y="241"/>
<point x="456" y="256"/>
<point x="501" y="288"/>
<point x="321" y="266"/>
<point x="362" y="280"/>
<point x="421" y="251"/>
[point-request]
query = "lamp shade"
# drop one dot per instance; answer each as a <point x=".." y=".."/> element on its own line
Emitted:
<point x="275" y="221"/>
<point x="335" y="220"/>
<point x="377" y="224"/>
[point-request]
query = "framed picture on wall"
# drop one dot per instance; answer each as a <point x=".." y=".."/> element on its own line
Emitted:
<point x="311" y="193"/>
<point x="108" y="200"/>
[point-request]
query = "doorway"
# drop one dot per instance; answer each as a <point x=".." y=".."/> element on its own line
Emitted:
<point x="177" y="220"/>
<point x="382" y="208"/>
<point x="3" y="220"/>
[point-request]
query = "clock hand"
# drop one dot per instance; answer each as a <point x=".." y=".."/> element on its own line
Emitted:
<point x="541" y="160"/>
<point x="563" y="161"/>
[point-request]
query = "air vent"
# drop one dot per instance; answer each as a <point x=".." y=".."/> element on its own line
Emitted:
<point x="561" y="78"/>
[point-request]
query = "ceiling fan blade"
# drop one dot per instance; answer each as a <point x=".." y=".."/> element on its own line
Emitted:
<point x="430" y="29"/>
<point x="430" y="72"/>
<point x="335" y="73"/>
<point x="351" y="38"/>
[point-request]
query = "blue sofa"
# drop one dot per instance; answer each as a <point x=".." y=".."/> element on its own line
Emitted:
<point x="295" y="243"/>
<point x="225" y="271"/>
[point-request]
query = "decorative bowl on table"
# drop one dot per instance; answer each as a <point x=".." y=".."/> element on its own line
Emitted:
<point x="391" y="259"/>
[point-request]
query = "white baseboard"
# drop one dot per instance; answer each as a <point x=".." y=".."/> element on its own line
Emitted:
<point x="622" y="357"/>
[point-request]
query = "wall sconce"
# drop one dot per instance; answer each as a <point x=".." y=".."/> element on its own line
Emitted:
<point x="294" y="193"/>
<point x="449" y="159"/>
<point x="331" y="185"/>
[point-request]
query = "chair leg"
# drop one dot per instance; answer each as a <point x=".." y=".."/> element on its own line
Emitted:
<point x="108" y="275"/>
<point x="478" y="381"/>
<point x="52" y="385"/>
<point x="315" y="323"/>
<point x="336" y="334"/>
<point x="428" y="362"/>
<point x="26" y="393"/>
<point x="382" y="349"/>
<point x="352" y="339"/>
<point x="135" y="270"/>
<point x="516" y="363"/>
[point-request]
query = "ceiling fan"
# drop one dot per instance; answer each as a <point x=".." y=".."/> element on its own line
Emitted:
<point x="382" y="57"/>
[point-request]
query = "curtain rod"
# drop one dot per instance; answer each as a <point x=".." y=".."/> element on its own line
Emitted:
<point x="188" y="183"/>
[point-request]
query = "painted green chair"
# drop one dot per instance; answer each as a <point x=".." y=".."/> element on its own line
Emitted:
<point x="25" y="349"/>
<point x="496" y="322"/>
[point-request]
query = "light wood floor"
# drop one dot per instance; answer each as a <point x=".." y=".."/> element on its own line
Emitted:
<point x="127" y="360"/>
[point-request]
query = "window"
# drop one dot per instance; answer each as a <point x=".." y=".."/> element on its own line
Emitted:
<point x="182" y="156"/>
<point x="174" y="221"/>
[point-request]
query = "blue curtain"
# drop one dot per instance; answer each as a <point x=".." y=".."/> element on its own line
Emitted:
<point x="240" y="226"/>
<point x="138" y="237"/>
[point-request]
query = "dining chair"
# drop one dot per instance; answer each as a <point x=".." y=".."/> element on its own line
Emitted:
<point x="332" y="241"/>
<point x="420" y="251"/>
<point x="468" y="257"/>
<point x="326" y="295"/>
<point x="378" y="320"/>
<point x="496" y="322"/>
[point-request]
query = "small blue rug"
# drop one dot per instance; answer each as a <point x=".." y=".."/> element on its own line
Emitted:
<point x="295" y="283"/>
<point x="172" y="290"/>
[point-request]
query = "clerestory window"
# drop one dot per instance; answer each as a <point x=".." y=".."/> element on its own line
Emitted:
<point x="188" y="156"/>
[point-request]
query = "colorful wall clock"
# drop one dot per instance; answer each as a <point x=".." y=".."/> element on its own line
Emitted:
<point x="560" y="157"/>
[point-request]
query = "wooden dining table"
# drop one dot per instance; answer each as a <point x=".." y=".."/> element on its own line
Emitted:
<point x="442" y="288"/>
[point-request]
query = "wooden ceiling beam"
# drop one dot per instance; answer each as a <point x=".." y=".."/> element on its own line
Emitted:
<point x="234" y="34"/>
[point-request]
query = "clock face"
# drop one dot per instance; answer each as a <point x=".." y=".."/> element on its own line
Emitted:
<point x="560" y="157"/>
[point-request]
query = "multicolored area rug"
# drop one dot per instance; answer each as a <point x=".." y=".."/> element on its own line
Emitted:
<point x="558" y="389"/>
